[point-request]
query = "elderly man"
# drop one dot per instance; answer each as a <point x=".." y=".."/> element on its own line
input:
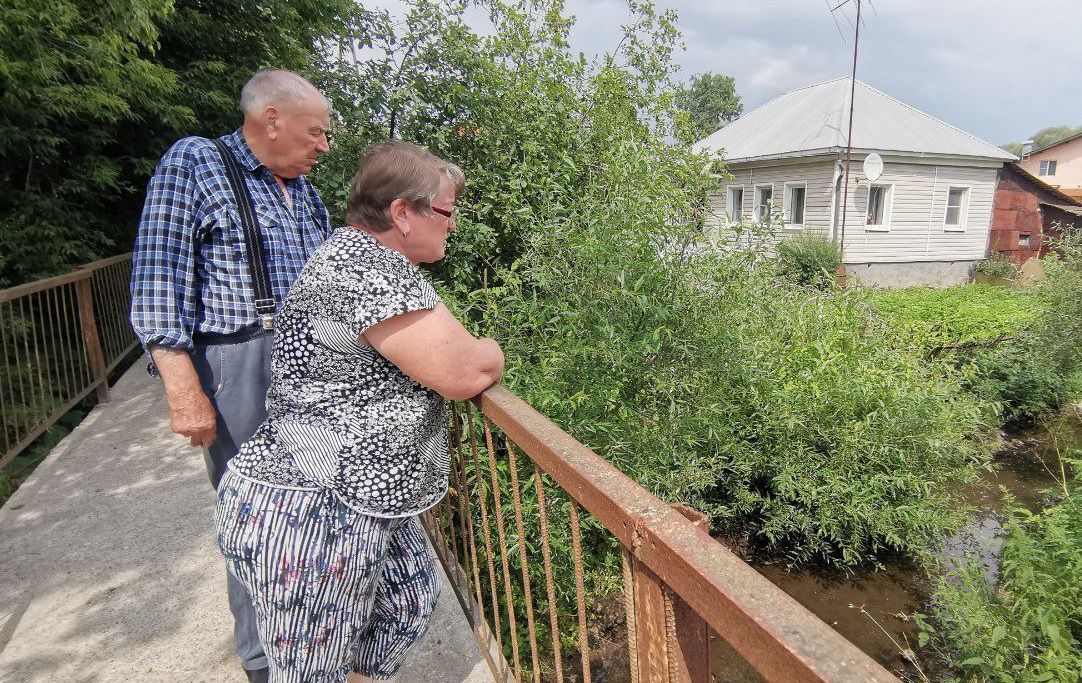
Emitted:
<point x="211" y="267"/>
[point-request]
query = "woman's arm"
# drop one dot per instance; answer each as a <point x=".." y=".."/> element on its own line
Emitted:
<point x="433" y="348"/>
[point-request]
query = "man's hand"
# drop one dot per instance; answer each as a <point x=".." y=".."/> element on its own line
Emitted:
<point x="192" y="415"/>
<point x="190" y="411"/>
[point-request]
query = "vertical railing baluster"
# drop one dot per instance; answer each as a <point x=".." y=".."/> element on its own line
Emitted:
<point x="6" y="417"/>
<point x="453" y="489"/>
<point x="580" y="591"/>
<point x="63" y="381"/>
<point x="48" y="346"/>
<point x="526" y="587"/>
<point x="494" y="592"/>
<point x="629" y="614"/>
<point x="27" y="410"/>
<point x="467" y="518"/>
<point x="44" y="395"/>
<point x="501" y="535"/>
<point x="550" y="582"/>
<point x="78" y="372"/>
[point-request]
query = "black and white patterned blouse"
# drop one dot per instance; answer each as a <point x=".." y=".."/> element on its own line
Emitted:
<point x="339" y="415"/>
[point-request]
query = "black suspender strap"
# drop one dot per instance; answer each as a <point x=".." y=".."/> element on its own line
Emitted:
<point x="253" y="242"/>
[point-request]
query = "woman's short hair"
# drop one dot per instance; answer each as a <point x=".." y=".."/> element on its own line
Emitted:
<point x="392" y="170"/>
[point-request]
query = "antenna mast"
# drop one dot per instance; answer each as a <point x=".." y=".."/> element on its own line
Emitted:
<point x="848" y="139"/>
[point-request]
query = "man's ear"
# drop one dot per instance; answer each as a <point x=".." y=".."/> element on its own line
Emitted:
<point x="272" y="118"/>
<point x="399" y="213"/>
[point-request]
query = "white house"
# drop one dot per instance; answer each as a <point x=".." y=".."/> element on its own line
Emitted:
<point x="924" y="220"/>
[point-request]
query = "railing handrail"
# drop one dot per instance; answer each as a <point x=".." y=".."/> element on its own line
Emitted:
<point x="80" y="273"/>
<point x="776" y="634"/>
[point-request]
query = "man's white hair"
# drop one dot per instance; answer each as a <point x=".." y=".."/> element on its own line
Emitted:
<point x="274" y="87"/>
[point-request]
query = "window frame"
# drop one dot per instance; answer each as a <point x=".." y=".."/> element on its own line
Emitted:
<point x="729" y="190"/>
<point x="1047" y="168"/>
<point x="786" y="208"/>
<point x="756" y="216"/>
<point x="963" y="210"/>
<point x="888" y="208"/>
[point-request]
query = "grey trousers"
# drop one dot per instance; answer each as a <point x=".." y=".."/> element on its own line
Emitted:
<point x="236" y="376"/>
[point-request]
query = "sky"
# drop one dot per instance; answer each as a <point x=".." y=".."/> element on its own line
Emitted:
<point x="1000" y="69"/>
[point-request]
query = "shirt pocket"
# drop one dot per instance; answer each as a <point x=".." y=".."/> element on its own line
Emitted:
<point x="268" y="225"/>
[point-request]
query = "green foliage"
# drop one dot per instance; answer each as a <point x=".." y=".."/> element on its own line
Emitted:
<point x="808" y="259"/>
<point x="966" y="314"/>
<point x="95" y="91"/>
<point x="1044" y="137"/>
<point x="709" y="102"/>
<point x="1029" y="627"/>
<point x="75" y="73"/>
<point x="997" y="264"/>
<point x="1038" y="371"/>
<point x="792" y="419"/>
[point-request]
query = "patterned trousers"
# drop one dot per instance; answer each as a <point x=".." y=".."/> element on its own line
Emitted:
<point x="334" y="590"/>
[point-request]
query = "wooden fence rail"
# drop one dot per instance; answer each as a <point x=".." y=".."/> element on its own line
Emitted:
<point x="59" y="340"/>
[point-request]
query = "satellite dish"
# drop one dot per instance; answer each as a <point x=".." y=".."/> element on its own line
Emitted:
<point x="873" y="166"/>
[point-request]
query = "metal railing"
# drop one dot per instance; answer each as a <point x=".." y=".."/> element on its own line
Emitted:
<point x="59" y="340"/>
<point x="569" y="570"/>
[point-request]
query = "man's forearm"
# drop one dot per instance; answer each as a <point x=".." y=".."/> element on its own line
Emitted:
<point x="177" y="371"/>
<point x="190" y="411"/>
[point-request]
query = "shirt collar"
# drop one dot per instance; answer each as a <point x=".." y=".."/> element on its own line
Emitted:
<point x="244" y="153"/>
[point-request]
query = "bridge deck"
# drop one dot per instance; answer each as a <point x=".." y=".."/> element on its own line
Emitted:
<point x="109" y="572"/>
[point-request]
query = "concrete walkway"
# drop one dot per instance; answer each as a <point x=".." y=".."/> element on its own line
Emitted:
<point x="109" y="571"/>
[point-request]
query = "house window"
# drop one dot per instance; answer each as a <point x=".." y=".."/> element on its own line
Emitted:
<point x="1023" y="241"/>
<point x="794" y="205"/>
<point x="736" y="203"/>
<point x="763" y="203"/>
<point x="957" y="207"/>
<point x="1047" y="168"/>
<point x="878" y="216"/>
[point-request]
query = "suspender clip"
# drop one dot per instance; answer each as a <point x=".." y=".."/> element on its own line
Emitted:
<point x="264" y="308"/>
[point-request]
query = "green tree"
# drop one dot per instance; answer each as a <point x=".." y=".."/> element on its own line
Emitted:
<point x="1044" y="137"/>
<point x="93" y="93"/>
<point x="76" y="76"/>
<point x="710" y="101"/>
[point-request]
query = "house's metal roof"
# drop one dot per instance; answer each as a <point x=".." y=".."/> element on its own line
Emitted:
<point x="813" y="120"/>
<point x="1069" y="208"/>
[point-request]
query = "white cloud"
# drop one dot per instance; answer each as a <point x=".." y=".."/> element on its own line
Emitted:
<point x="1000" y="69"/>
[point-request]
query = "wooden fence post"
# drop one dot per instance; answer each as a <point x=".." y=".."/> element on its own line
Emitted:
<point x="89" y="326"/>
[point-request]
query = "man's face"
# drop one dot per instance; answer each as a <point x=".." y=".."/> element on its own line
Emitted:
<point x="299" y="136"/>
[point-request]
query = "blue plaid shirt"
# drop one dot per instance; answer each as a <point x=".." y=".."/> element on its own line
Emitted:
<point x="189" y="272"/>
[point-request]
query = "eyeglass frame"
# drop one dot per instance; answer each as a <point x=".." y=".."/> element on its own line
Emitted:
<point x="449" y="214"/>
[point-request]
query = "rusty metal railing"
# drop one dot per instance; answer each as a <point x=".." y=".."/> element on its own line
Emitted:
<point x="570" y="571"/>
<point x="59" y="340"/>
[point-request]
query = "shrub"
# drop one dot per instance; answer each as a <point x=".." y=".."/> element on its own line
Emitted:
<point x="791" y="419"/>
<point x="997" y="264"/>
<point x="808" y="259"/>
<point x="1029" y="627"/>
<point x="1037" y="372"/>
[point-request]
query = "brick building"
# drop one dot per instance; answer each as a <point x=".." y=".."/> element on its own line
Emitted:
<point x="1025" y="211"/>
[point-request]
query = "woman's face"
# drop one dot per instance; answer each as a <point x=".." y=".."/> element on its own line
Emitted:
<point x="427" y="240"/>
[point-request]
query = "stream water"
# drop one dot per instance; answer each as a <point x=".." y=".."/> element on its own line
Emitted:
<point x="872" y="608"/>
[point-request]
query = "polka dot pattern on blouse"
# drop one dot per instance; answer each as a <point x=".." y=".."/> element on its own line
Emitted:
<point x="339" y="415"/>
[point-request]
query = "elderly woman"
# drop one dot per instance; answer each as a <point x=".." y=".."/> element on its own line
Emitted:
<point x="317" y="515"/>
